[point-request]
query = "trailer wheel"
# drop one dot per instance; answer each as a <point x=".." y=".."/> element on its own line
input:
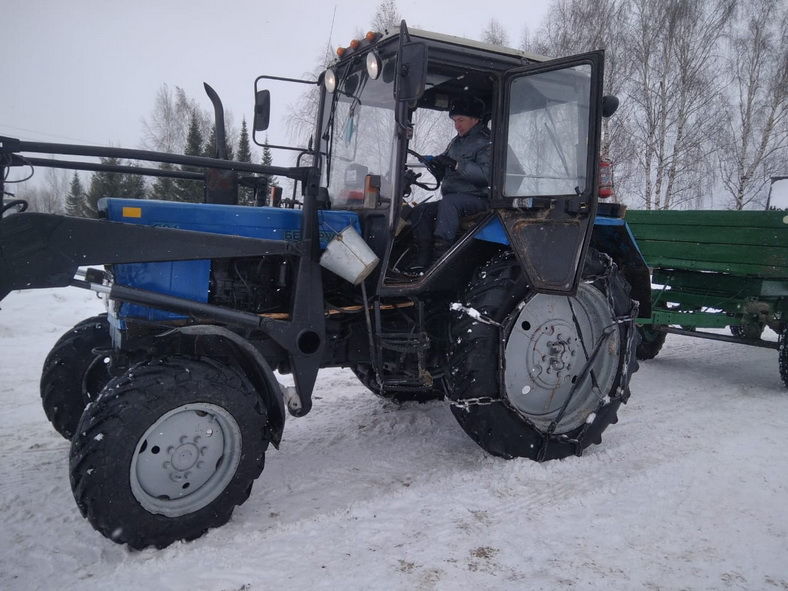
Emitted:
<point x="783" y="350"/>
<point x="366" y="376"/>
<point x="167" y="451"/>
<point x="73" y="374"/>
<point x="651" y="342"/>
<point x="747" y="331"/>
<point x="521" y="382"/>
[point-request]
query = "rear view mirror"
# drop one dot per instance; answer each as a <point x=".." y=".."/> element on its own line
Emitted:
<point x="262" y="110"/>
<point x="411" y="74"/>
<point x="609" y="105"/>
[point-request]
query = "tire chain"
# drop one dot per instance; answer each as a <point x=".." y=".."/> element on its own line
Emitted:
<point x="466" y="403"/>
<point x="628" y="319"/>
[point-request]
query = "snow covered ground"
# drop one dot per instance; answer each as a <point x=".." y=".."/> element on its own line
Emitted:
<point x="688" y="491"/>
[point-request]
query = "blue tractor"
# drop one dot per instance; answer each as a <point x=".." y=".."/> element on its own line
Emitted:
<point x="525" y="325"/>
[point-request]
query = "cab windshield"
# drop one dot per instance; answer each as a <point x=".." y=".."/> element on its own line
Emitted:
<point x="359" y="138"/>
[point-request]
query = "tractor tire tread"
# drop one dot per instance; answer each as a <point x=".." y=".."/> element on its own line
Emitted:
<point x="62" y="396"/>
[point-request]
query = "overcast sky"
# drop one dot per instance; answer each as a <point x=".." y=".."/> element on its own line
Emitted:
<point x="87" y="71"/>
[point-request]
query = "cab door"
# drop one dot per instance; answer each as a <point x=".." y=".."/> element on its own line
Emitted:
<point x="547" y="155"/>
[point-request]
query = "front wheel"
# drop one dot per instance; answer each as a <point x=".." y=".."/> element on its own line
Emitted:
<point x="541" y="376"/>
<point x="167" y="451"/>
<point x="74" y="373"/>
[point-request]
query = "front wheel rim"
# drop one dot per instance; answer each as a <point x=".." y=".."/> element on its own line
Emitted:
<point x="185" y="459"/>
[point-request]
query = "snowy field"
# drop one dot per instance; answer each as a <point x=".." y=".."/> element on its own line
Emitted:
<point x="688" y="491"/>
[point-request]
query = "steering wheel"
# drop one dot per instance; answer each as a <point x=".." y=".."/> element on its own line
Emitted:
<point x="431" y="168"/>
<point x="20" y="204"/>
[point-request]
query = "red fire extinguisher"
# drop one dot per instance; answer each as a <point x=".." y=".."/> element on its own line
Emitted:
<point x="605" y="178"/>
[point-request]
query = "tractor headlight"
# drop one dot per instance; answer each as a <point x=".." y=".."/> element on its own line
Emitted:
<point x="330" y="80"/>
<point x="373" y="65"/>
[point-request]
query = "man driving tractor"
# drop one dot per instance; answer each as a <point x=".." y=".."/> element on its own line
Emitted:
<point x="465" y="170"/>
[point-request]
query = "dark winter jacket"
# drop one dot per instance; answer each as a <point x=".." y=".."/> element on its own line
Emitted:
<point x="472" y="153"/>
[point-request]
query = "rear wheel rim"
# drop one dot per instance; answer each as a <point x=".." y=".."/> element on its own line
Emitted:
<point x="185" y="459"/>
<point x="545" y="357"/>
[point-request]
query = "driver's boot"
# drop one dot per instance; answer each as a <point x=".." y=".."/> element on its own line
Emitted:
<point x="439" y="248"/>
<point x="423" y="257"/>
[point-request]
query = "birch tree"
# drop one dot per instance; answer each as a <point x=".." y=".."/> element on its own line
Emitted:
<point x="167" y="125"/>
<point x="754" y="144"/>
<point x="675" y="87"/>
<point x="301" y="118"/>
<point x="387" y="17"/>
<point x="495" y="34"/>
<point x="166" y="128"/>
<point x="50" y="196"/>
<point x="577" y="26"/>
<point x="56" y="188"/>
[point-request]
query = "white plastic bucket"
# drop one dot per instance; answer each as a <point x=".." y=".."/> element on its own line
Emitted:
<point x="348" y="256"/>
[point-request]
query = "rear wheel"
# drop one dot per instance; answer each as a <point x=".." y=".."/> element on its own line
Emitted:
<point x="74" y="374"/>
<point x="167" y="451"/>
<point x="541" y="376"/>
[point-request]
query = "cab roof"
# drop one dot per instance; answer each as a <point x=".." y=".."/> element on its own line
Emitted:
<point x="451" y="50"/>
<point x="461" y="42"/>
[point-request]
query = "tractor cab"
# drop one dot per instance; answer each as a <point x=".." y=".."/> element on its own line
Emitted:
<point x="384" y="105"/>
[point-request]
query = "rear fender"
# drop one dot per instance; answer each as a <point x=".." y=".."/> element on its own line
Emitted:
<point x="613" y="237"/>
<point x="610" y="235"/>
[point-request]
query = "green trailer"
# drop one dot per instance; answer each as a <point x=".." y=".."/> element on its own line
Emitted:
<point x="715" y="269"/>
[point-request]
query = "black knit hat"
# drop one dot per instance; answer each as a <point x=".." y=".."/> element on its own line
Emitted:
<point x="467" y="105"/>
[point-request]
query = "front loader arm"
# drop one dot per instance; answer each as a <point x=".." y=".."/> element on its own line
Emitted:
<point x="44" y="250"/>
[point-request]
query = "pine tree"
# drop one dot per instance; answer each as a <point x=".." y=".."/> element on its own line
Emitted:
<point x="268" y="160"/>
<point x="164" y="187"/>
<point x="186" y="190"/>
<point x="104" y="184"/>
<point x="133" y="186"/>
<point x="210" y="146"/>
<point x="246" y="194"/>
<point x="244" y="148"/>
<point x="75" y="200"/>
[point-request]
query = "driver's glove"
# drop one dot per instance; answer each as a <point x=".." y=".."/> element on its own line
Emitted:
<point x="445" y="161"/>
<point x="435" y="167"/>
